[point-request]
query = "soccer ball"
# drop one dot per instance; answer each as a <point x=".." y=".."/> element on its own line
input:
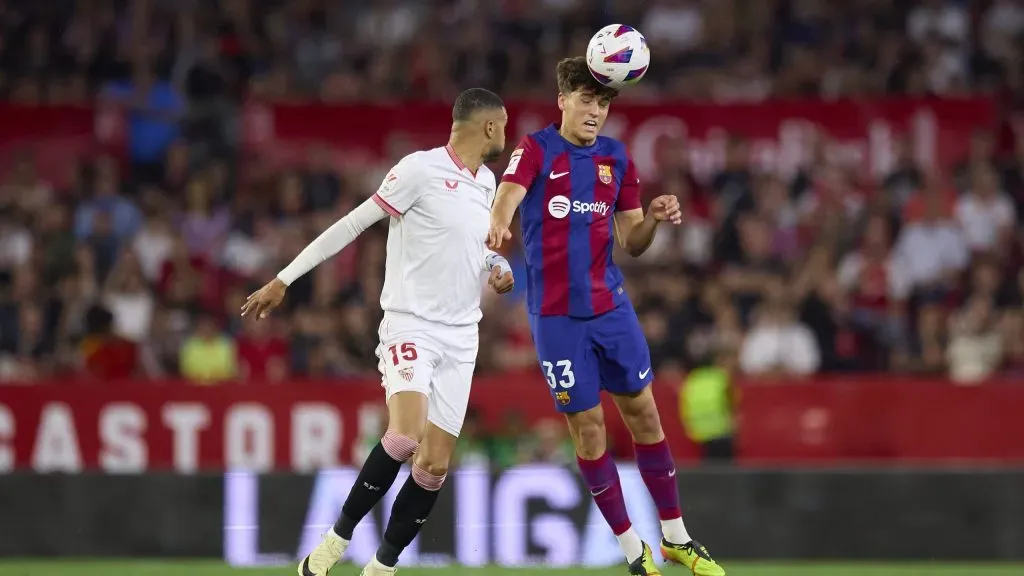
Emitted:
<point x="618" y="56"/>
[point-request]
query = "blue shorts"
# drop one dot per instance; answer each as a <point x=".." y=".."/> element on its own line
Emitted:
<point x="580" y="357"/>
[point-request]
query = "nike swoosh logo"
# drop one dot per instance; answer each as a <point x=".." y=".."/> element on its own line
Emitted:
<point x="601" y="491"/>
<point x="672" y="473"/>
<point x="556" y="175"/>
<point x="644" y="373"/>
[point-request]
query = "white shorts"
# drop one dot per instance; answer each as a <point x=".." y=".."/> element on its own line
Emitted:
<point x="434" y="359"/>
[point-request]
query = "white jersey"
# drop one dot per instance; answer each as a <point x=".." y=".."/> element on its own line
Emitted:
<point x="440" y="214"/>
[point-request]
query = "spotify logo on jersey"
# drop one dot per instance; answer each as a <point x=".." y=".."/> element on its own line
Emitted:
<point x="559" y="206"/>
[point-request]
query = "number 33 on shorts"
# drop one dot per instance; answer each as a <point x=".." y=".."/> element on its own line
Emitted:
<point x="560" y="378"/>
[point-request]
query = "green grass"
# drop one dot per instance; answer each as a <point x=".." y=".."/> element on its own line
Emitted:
<point x="210" y="568"/>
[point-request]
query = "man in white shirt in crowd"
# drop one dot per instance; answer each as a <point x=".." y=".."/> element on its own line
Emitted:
<point x="439" y="203"/>
<point x="931" y="253"/>
<point x="985" y="213"/>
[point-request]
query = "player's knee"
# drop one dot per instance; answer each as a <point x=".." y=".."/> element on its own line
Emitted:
<point x="588" y="431"/>
<point x="430" y="475"/>
<point x="432" y="459"/>
<point x="399" y="446"/>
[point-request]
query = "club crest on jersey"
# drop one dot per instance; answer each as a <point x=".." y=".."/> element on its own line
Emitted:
<point x="406" y="374"/>
<point x="562" y="397"/>
<point x="604" y="173"/>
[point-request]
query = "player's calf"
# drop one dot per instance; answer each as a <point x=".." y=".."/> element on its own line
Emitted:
<point x="417" y="497"/>
<point x="601" y="476"/>
<point x="375" y="479"/>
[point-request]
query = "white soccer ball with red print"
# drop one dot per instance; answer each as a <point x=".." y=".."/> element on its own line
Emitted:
<point x="618" y="56"/>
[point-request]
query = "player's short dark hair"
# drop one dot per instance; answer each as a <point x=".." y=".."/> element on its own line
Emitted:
<point x="573" y="74"/>
<point x="474" y="100"/>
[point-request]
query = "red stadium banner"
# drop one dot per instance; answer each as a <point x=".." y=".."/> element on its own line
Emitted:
<point x="55" y="136"/>
<point x="304" y="426"/>
<point x="864" y="134"/>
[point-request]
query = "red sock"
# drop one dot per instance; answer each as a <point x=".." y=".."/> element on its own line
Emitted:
<point x="659" y="473"/>
<point x="602" y="478"/>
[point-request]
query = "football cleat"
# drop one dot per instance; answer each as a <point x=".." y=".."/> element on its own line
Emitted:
<point x="693" y="555"/>
<point x="644" y="565"/>
<point x="324" y="556"/>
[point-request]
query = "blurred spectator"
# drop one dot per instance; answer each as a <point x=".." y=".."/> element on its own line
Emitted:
<point x="128" y="297"/>
<point x="263" y="351"/>
<point x="204" y="226"/>
<point x="976" y="347"/>
<point x="932" y="251"/>
<point x="754" y="269"/>
<point x="153" y="244"/>
<point x="154" y="108"/>
<point x="208" y="356"/>
<point x="706" y="401"/>
<point x="777" y="343"/>
<point x="985" y="213"/>
<point x="876" y="286"/>
<point x="116" y="217"/>
<point x="550" y="444"/>
<point x="106" y="356"/>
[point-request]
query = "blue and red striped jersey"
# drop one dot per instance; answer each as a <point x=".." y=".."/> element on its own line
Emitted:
<point x="572" y="193"/>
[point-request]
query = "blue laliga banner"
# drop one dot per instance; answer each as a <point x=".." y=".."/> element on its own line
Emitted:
<point x="529" y="515"/>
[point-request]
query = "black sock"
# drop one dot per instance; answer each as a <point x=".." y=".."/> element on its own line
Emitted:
<point x="374" y="480"/>
<point x="411" y="509"/>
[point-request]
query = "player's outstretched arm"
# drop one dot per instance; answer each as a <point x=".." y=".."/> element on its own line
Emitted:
<point x="327" y="244"/>
<point x="507" y="198"/>
<point x="635" y="231"/>
<point x="333" y="240"/>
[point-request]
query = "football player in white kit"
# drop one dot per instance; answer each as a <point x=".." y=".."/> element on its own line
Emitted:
<point x="439" y="203"/>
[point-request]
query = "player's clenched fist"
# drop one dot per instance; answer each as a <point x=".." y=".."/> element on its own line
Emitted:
<point x="262" y="301"/>
<point x="497" y="235"/>
<point x="500" y="281"/>
<point x="666" y="209"/>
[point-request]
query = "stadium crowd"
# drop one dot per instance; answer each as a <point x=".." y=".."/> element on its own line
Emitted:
<point x="138" y="266"/>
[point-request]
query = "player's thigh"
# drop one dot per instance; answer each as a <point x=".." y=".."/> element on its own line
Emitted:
<point x="624" y="360"/>
<point x="407" y="413"/>
<point x="407" y="361"/>
<point x="449" y="396"/>
<point x="567" y="361"/>
<point x="640" y="415"/>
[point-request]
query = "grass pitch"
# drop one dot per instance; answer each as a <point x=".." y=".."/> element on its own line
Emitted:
<point x="210" y="568"/>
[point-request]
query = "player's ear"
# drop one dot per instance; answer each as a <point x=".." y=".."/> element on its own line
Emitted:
<point x="561" y="101"/>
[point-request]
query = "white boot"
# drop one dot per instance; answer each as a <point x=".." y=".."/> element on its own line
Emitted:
<point x="324" y="556"/>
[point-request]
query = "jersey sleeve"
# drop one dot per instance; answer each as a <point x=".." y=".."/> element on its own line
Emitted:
<point x="399" y="190"/>
<point x="525" y="163"/>
<point x="629" y="191"/>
